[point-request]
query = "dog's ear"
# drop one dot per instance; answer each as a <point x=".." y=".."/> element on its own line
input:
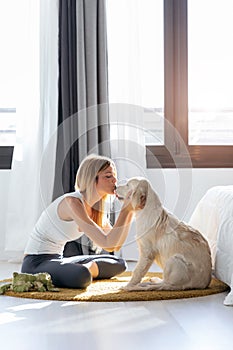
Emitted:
<point x="139" y="195"/>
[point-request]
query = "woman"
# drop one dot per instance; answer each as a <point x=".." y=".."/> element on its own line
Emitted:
<point x="68" y="217"/>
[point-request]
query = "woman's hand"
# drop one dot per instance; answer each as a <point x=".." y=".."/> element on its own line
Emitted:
<point x="127" y="205"/>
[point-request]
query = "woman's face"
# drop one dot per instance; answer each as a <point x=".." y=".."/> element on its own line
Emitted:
<point x="106" y="181"/>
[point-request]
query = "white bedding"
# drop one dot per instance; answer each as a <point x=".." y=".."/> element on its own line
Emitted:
<point x="213" y="217"/>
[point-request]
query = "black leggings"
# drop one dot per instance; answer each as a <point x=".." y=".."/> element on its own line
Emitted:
<point x="70" y="272"/>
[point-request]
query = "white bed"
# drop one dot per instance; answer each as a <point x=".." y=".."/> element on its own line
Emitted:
<point x="213" y="217"/>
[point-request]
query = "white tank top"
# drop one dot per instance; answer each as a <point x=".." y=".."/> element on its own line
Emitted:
<point x="50" y="233"/>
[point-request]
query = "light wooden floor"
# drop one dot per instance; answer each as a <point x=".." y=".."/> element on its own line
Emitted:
<point x="201" y="323"/>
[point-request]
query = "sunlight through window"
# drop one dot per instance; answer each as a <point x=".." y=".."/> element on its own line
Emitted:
<point x="136" y="60"/>
<point x="10" y="46"/>
<point x="8" y="317"/>
<point x="210" y="52"/>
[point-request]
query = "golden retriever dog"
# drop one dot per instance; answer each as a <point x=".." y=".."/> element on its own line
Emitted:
<point x="181" y="251"/>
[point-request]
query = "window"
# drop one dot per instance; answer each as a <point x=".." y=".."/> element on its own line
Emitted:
<point x="198" y="95"/>
<point x="8" y="74"/>
<point x="210" y="72"/>
<point x="7" y="136"/>
<point x="185" y="65"/>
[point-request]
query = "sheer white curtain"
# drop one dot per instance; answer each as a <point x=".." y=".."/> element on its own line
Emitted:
<point x="125" y="87"/>
<point x="136" y="79"/>
<point x="36" y="121"/>
<point x="125" y="97"/>
<point x="136" y="85"/>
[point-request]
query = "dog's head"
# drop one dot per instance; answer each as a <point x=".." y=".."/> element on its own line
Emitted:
<point x="138" y="187"/>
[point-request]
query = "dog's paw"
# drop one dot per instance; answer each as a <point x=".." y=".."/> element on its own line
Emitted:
<point x="155" y="280"/>
<point x="132" y="287"/>
<point x="146" y="285"/>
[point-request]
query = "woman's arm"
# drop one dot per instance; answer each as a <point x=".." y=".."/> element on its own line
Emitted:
<point x="125" y="230"/>
<point x="73" y="209"/>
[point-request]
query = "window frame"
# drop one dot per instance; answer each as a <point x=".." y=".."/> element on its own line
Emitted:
<point x="6" y="152"/>
<point x="173" y="153"/>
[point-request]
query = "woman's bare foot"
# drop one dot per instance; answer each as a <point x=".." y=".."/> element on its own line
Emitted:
<point x="93" y="268"/>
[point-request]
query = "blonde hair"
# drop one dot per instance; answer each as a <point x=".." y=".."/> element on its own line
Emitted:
<point x="86" y="178"/>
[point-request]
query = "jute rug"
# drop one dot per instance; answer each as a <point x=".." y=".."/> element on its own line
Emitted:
<point x="108" y="291"/>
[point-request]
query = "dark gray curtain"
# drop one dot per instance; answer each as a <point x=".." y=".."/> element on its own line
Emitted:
<point x="83" y="88"/>
<point x="83" y="116"/>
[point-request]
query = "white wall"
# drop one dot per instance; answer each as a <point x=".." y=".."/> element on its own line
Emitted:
<point x="180" y="191"/>
<point x="4" y="186"/>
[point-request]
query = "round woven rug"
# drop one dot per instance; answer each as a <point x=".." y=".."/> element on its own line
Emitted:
<point x="108" y="291"/>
